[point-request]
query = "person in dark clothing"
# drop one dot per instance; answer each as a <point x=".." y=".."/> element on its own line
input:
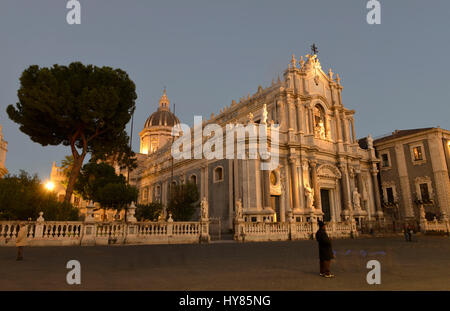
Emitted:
<point x="325" y="251"/>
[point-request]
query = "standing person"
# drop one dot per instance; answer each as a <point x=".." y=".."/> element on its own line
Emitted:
<point x="21" y="240"/>
<point x="325" y="251"/>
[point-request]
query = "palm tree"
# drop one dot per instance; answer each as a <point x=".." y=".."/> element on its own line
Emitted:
<point x="66" y="166"/>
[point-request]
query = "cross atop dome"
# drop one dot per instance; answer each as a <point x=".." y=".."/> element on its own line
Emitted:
<point x="314" y="49"/>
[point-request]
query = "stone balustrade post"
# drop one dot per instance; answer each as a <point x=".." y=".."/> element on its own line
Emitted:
<point x="130" y="213"/>
<point x="89" y="232"/>
<point x="170" y="225"/>
<point x="239" y="234"/>
<point x="204" y="230"/>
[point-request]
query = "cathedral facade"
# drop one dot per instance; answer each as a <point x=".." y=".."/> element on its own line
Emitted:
<point x="322" y="172"/>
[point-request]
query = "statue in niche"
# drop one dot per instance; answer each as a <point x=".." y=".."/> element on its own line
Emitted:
<point x="309" y="193"/>
<point x="204" y="207"/>
<point x="356" y="199"/>
<point x="320" y="130"/>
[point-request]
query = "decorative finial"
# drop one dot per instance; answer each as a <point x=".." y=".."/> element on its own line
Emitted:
<point x="293" y="61"/>
<point x="338" y="79"/>
<point x="314" y="49"/>
<point x="330" y="73"/>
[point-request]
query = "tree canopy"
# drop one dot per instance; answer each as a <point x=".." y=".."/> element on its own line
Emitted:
<point x="81" y="106"/>
<point x="183" y="201"/>
<point x="149" y="211"/>
<point x="100" y="183"/>
<point x="23" y="196"/>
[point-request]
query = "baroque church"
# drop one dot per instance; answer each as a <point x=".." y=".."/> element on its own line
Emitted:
<point x="322" y="171"/>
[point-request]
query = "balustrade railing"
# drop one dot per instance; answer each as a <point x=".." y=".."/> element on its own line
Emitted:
<point x="79" y="233"/>
<point x="263" y="231"/>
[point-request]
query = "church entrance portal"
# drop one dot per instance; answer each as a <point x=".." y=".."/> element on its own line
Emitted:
<point x="326" y="208"/>
<point x="275" y="204"/>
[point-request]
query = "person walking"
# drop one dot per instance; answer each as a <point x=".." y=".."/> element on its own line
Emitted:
<point x="21" y="240"/>
<point x="325" y="250"/>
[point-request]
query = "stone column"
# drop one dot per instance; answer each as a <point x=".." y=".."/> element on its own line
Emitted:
<point x="376" y="192"/>
<point x="266" y="188"/>
<point x="284" y="184"/>
<point x="281" y="115"/>
<point x="346" y="131"/>
<point x="294" y="182"/>
<point x="315" y="185"/>
<point x="440" y="173"/>
<point x="291" y="112"/>
<point x="405" y="189"/>
<point x="338" y="125"/>
<point x="300" y="116"/>
<point x="202" y="181"/>
<point x="311" y="118"/>
<point x="353" y="130"/>
<point x="345" y="189"/>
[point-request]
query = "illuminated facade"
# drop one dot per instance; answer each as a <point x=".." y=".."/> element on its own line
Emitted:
<point x="322" y="171"/>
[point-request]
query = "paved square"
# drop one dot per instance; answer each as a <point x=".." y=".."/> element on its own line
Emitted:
<point x="422" y="265"/>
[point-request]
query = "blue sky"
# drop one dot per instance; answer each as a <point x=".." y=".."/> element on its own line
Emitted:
<point x="395" y="75"/>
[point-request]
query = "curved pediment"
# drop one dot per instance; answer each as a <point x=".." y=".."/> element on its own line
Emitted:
<point x="328" y="171"/>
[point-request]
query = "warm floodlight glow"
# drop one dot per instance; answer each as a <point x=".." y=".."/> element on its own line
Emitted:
<point x="49" y="185"/>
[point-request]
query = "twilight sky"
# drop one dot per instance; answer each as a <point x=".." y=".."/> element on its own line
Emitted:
<point x="395" y="75"/>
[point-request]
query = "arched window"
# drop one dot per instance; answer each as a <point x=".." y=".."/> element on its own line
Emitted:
<point x="193" y="179"/>
<point x="218" y="174"/>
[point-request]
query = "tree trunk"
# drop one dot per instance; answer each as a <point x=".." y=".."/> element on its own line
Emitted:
<point x="77" y="163"/>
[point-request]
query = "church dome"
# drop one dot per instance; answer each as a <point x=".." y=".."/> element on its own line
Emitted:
<point x="163" y="116"/>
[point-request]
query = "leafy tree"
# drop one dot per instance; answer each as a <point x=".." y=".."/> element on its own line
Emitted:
<point x="183" y="201"/>
<point x="23" y="196"/>
<point x="93" y="177"/>
<point x="148" y="212"/>
<point x="117" y="195"/>
<point x="100" y="183"/>
<point x="84" y="107"/>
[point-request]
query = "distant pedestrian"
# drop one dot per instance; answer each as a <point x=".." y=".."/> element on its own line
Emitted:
<point x="325" y="251"/>
<point x="21" y="240"/>
<point x="410" y="232"/>
<point x="407" y="233"/>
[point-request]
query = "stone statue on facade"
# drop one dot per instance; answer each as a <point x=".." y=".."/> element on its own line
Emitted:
<point x="422" y="212"/>
<point x="204" y="208"/>
<point x="356" y="199"/>
<point x="302" y="62"/>
<point x="238" y="212"/>
<point x="250" y="117"/>
<point x="369" y="141"/>
<point x="320" y="130"/>
<point x="309" y="193"/>
<point x="264" y="115"/>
